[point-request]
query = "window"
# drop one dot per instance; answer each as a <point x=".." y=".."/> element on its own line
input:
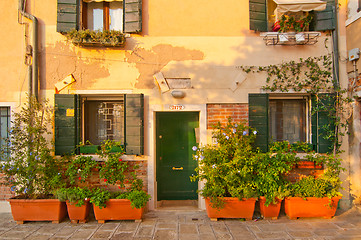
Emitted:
<point x="288" y="118"/>
<point x="121" y="15"/>
<point x="103" y="120"/>
<point x="4" y="125"/>
<point x="103" y="15"/>
<point x="261" y="14"/>
<point x="97" y="118"/>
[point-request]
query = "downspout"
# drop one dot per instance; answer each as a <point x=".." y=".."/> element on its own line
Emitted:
<point x="336" y="68"/>
<point x="34" y="72"/>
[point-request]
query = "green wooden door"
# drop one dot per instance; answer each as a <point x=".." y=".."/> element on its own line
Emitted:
<point x="175" y="138"/>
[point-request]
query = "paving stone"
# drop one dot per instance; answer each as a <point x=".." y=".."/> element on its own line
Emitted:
<point x="222" y="236"/>
<point x="327" y="232"/>
<point x="61" y="238"/>
<point x="148" y="222"/>
<point x="188" y="229"/>
<point x="219" y="227"/>
<point x="122" y="236"/>
<point x="272" y="235"/>
<point x="300" y="234"/>
<point x="238" y="229"/>
<point x="15" y="235"/>
<point x="38" y="237"/>
<point x="205" y="229"/>
<point x="165" y="234"/>
<point x="272" y="227"/>
<point x="127" y="227"/>
<point x="205" y="236"/>
<point x="167" y="226"/>
<point x="102" y="234"/>
<point x="348" y="224"/>
<point x="244" y="236"/>
<point x="111" y="226"/>
<point x="50" y="229"/>
<point x="188" y="237"/>
<point x="146" y="231"/>
<point x="67" y="231"/>
<point x="82" y="234"/>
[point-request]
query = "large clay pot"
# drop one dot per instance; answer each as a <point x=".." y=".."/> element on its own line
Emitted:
<point x="37" y="210"/>
<point x="118" y="209"/>
<point x="233" y="208"/>
<point x="78" y="214"/>
<point x="311" y="207"/>
<point x="271" y="211"/>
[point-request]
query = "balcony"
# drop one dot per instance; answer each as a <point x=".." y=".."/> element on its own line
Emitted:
<point x="290" y="38"/>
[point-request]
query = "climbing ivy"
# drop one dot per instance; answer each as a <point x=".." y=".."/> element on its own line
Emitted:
<point x="311" y="76"/>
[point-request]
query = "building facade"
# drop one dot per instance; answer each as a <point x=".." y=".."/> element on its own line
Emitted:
<point x="180" y="70"/>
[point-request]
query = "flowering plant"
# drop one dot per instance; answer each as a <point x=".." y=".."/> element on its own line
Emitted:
<point x="291" y="23"/>
<point x="28" y="163"/>
<point x="228" y="166"/>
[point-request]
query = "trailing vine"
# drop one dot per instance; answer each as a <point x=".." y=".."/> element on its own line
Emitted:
<point x="311" y="76"/>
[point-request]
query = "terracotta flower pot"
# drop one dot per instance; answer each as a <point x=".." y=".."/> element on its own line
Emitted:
<point x="78" y="214"/>
<point x="118" y="209"/>
<point x="233" y="208"/>
<point x="37" y="210"/>
<point x="311" y="207"/>
<point x="271" y="211"/>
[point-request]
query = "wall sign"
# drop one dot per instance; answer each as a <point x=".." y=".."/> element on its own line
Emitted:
<point x="176" y="107"/>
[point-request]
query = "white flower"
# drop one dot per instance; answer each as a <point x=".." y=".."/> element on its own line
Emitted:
<point x="234" y="130"/>
<point x="254" y="132"/>
<point x="194" y="148"/>
<point x="244" y="132"/>
<point x="201" y="158"/>
<point x="214" y="166"/>
<point x="227" y="137"/>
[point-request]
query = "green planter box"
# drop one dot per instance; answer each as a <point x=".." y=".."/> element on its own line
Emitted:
<point x="89" y="149"/>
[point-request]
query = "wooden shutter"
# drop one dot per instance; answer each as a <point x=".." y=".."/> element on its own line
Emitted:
<point x="67" y="123"/>
<point x="134" y="124"/>
<point x="68" y="11"/>
<point x="132" y="16"/>
<point x="258" y="106"/>
<point x="326" y="19"/>
<point x="258" y="15"/>
<point x="320" y="119"/>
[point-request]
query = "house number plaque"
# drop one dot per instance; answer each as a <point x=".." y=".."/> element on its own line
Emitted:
<point x="176" y="107"/>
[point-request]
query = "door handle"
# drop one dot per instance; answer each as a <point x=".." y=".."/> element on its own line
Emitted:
<point x="177" y="169"/>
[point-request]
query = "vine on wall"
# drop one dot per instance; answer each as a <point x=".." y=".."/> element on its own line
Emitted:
<point x="312" y="76"/>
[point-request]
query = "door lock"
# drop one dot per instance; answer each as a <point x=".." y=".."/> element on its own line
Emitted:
<point x="177" y="169"/>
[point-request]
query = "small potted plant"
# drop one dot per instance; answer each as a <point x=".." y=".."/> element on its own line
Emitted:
<point x="77" y="193"/>
<point x="228" y="171"/>
<point x="88" y="37"/>
<point x="129" y="201"/>
<point x="316" y="196"/>
<point x="270" y="181"/>
<point x="30" y="167"/>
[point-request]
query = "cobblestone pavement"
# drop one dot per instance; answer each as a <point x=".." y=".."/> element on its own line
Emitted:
<point x="190" y="225"/>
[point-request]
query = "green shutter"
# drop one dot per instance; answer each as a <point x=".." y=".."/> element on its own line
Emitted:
<point x="132" y="16"/>
<point x="258" y="15"/>
<point x="134" y="124"/>
<point x="326" y="19"/>
<point x="258" y="106"/>
<point x="67" y="123"/>
<point x="68" y="11"/>
<point x="319" y="120"/>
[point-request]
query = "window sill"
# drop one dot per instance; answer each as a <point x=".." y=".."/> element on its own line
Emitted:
<point x="97" y="44"/>
<point x="290" y="38"/>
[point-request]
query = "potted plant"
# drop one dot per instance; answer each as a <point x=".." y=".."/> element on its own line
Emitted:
<point x="77" y="202"/>
<point x="270" y="181"/>
<point x="227" y="168"/>
<point x="29" y="166"/>
<point x="316" y="196"/>
<point x="107" y="38"/>
<point x="77" y="193"/>
<point x="129" y="201"/>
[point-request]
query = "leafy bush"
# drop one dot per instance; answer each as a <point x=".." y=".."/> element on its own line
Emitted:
<point x="75" y="195"/>
<point x="28" y="162"/>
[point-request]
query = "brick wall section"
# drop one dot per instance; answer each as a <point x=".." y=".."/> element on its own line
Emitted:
<point x="5" y="192"/>
<point x="221" y="112"/>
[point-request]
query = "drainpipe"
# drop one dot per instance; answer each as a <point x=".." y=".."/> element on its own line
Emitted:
<point x="336" y="67"/>
<point x="34" y="72"/>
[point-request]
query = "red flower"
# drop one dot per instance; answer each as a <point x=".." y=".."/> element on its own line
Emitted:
<point x="119" y="187"/>
<point x="105" y="180"/>
<point x="127" y="181"/>
<point x="120" y="159"/>
<point x="79" y="178"/>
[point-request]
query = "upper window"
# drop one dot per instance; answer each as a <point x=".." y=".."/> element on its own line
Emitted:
<point x="263" y="15"/>
<point x="103" y="15"/>
<point x="120" y="15"/>
<point x="4" y="125"/>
